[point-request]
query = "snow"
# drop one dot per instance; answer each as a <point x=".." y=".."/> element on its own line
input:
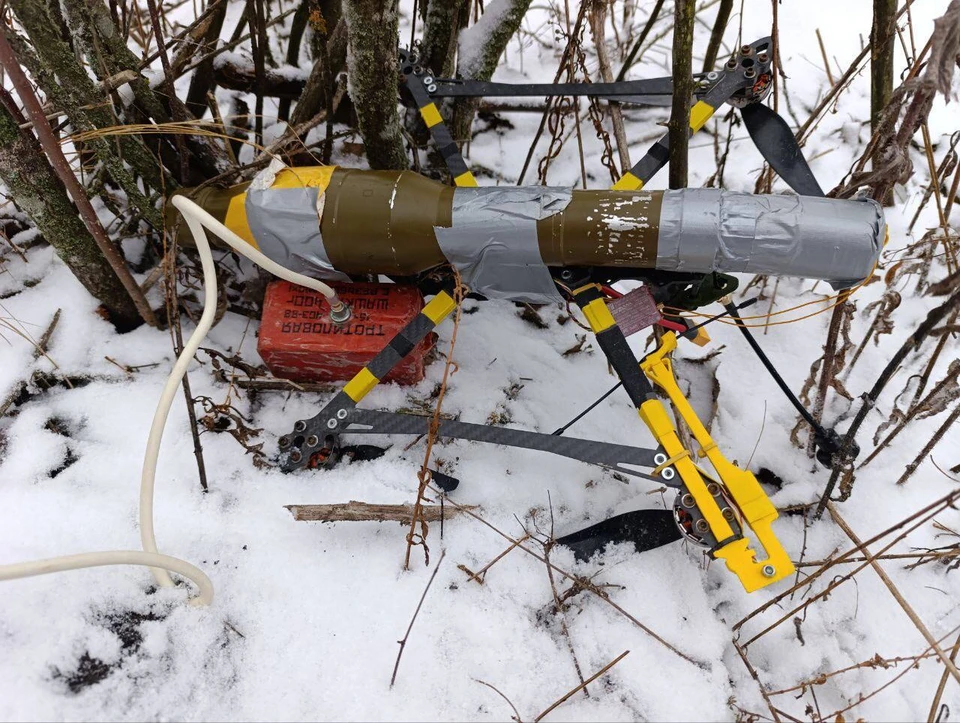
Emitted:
<point x="307" y="616"/>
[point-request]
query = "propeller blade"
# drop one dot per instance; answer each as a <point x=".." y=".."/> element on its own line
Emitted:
<point x="776" y="143"/>
<point x="646" y="529"/>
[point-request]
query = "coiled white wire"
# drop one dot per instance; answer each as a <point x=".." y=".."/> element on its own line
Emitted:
<point x="162" y="565"/>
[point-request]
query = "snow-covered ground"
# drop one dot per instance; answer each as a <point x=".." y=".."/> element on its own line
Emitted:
<point x="307" y="616"/>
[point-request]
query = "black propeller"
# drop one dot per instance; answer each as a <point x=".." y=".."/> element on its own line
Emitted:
<point x="777" y="144"/>
<point x="646" y="529"/>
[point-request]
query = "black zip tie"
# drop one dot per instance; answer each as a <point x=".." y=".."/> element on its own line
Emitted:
<point x="615" y="387"/>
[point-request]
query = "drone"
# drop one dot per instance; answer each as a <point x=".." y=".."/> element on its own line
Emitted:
<point x="540" y="244"/>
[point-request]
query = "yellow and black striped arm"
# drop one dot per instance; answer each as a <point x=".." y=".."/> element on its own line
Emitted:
<point x="613" y="343"/>
<point x="438" y="131"/>
<point x="298" y="449"/>
<point x="659" y="153"/>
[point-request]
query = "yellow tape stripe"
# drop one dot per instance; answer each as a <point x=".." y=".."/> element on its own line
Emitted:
<point x="431" y="116"/>
<point x="304" y="177"/>
<point x="700" y="114"/>
<point x="628" y="182"/>
<point x="598" y="315"/>
<point x="465" y="180"/>
<point x="358" y="387"/>
<point x="439" y="307"/>
<point x="235" y="219"/>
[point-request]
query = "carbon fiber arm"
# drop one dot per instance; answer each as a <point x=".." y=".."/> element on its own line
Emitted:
<point x="449" y="88"/>
<point x="619" y="457"/>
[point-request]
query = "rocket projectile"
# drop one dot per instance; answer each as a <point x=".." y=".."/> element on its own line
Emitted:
<point x="504" y="239"/>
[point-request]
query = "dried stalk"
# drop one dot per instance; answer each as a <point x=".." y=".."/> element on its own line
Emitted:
<point x="928" y="447"/>
<point x="949" y="380"/>
<point x="943" y="683"/>
<point x="913" y="342"/>
<point x="914" y="618"/>
<point x="915" y="520"/>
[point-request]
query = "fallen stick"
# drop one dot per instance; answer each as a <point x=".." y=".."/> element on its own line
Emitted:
<point x="354" y="511"/>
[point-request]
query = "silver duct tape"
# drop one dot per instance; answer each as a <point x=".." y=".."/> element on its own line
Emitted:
<point x="704" y="230"/>
<point x="286" y="225"/>
<point x="492" y="241"/>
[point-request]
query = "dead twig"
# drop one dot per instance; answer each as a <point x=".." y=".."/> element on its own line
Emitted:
<point x="753" y="674"/>
<point x="172" y="300"/>
<point x="354" y="511"/>
<point x="928" y="447"/>
<point x="406" y="635"/>
<point x="480" y="575"/>
<point x="516" y="714"/>
<point x="41" y="348"/>
<point x="584" y="684"/>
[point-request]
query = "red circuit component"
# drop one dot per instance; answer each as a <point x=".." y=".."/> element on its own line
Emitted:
<point x="299" y="342"/>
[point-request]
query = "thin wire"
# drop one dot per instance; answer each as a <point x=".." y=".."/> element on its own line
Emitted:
<point x="840" y="297"/>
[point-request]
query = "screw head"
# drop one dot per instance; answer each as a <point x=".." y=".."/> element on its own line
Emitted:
<point x="332" y="423"/>
<point x="746" y="50"/>
<point x="428" y="80"/>
<point x="750" y="73"/>
<point x="283" y="442"/>
<point x="432" y="88"/>
<point x="713" y="489"/>
<point x="341" y="414"/>
<point x="763" y="57"/>
<point x="687" y="500"/>
<point x="299" y="426"/>
<point x="768" y="570"/>
<point x="668" y="473"/>
<point x="313" y="440"/>
<point x="295" y="456"/>
<point x="659" y="458"/>
<point x="702" y="526"/>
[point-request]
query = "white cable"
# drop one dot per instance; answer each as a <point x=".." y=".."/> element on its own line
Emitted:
<point x="114" y="557"/>
<point x="162" y="565"/>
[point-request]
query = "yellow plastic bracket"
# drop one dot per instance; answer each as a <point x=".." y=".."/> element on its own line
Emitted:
<point x="757" y="509"/>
